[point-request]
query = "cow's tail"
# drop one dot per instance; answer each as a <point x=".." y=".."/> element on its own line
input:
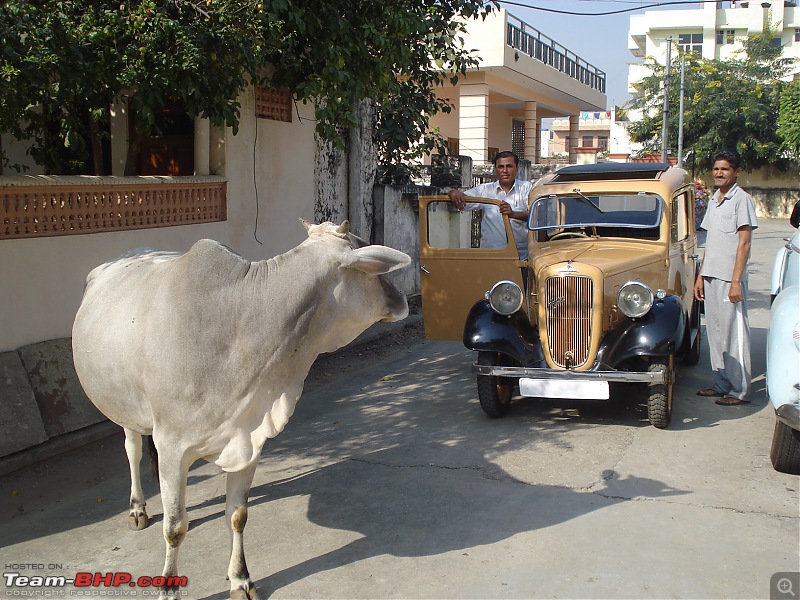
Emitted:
<point x="151" y="447"/>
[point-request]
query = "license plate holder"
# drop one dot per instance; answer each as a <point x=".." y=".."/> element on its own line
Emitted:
<point x="564" y="388"/>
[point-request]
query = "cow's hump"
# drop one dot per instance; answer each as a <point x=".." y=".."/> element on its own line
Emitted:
<point x="209" y="263"/>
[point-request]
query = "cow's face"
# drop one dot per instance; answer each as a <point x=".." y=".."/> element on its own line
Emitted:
<point x="363" y="295"/>
<point x="365" y="284"/>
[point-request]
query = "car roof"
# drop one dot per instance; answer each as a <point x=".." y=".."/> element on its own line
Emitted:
<point x="610" y="171"/>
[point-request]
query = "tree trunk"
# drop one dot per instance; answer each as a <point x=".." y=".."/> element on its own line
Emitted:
<point x="134" y="147"/>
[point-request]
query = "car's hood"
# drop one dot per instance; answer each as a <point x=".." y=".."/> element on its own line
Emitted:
<point x="608" y="257"/>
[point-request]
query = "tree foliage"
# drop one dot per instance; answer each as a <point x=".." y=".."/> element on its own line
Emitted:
<point x="727" y="104"/>
<point x="65" y="61"/>
<point x="789" y="119"/>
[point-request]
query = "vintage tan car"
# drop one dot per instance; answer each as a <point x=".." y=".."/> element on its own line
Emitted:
<point x="605" y="299"/>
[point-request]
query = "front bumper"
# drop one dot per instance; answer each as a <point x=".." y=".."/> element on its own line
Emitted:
<point x="654" y="377"/>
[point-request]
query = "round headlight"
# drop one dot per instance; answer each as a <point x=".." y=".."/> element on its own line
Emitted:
<point x="505" y="297"/>
<point x="635" y="299"/>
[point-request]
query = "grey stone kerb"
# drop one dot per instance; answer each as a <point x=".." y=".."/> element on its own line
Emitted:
<point x="41" y="400"/>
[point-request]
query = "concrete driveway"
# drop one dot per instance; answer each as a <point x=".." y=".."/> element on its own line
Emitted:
<point x="389" y="482"/>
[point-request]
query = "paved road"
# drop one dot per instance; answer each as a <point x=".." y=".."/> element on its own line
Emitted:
<point x="389" y="482"/>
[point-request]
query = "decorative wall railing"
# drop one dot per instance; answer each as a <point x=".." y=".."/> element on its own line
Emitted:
<point x="52" y="206"/>
<point x="534" y="43"/>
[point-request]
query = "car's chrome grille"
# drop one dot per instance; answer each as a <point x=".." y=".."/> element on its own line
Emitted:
<point x="568" y="306"/>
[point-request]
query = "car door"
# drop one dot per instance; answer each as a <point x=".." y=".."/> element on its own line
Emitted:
<point x="683" y="244"/>
<point x="456" y="271"/>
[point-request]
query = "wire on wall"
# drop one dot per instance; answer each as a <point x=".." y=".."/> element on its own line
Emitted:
<point x="255" y="180"/>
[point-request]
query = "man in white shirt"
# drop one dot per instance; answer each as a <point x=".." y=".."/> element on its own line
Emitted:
<point x="722" y="283"/>
<point x="513" y="194"/>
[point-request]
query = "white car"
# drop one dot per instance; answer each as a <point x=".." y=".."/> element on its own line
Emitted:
<point x="783" y="357"/>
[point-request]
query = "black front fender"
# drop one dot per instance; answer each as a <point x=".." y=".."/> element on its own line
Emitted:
<point x="511" y="335"/>
<point x="659" y="333"/>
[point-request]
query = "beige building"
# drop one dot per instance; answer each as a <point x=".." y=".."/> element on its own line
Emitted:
<point x="601" y="135"/>
<point x="523" y="77"/>
<point x="594" y="131"/>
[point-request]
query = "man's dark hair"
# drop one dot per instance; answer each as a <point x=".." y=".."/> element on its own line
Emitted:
<point x="733" y="158"/>
<point x="506" y="154"/>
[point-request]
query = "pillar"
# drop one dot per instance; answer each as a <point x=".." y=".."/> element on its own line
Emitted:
<point x="361" y="168"/>
<point x="531" y="133"/>
<point x="574" y="139"/>
<point x="473" y="122"/>
<point x="217" y="151"/>
<point x="202" y="146"/>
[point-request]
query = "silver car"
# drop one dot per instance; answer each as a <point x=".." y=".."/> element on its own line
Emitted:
<point x="783" y="357"/>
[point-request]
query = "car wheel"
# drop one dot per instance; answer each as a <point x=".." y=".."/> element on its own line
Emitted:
<point x="494" y="392"/>
<point x="659" y="398"/>
<point x="692" y="356"/>
<point x="785" y="451"/>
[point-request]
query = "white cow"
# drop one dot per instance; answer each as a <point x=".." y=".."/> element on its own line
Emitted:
<point x="207" y="352"/>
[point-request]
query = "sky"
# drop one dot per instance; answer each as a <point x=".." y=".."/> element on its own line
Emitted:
<point x="600" y="40"/>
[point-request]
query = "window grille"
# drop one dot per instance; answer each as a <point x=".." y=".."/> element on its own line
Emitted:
<point x="274" y="104"/>
<point x="518" y="138"/>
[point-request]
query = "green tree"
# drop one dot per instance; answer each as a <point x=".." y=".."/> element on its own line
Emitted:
<point x="64" y="62"/>
<point x="789" y="119"/>
<point x="727" y="104"/>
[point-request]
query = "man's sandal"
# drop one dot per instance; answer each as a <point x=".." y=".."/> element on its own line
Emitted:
<point x="731" y="401"/>
<point x="710" y="393"/>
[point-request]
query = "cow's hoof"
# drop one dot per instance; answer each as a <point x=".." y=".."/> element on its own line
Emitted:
<point x="242" y="594"/>
<point x="138" y="520"/>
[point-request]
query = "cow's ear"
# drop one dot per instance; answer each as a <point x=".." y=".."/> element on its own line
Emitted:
<point x="377" y="260"/>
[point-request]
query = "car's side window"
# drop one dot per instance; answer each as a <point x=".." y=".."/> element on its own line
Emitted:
<point x="679" y="216"/>
<point x="451" y="228"/>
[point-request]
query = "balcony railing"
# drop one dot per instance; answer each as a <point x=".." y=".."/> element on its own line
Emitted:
<point x="534" y="43"/>
<point x="52" y="206"/>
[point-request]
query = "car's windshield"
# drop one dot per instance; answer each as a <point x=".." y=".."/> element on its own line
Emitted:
<point x="596" y="214"/>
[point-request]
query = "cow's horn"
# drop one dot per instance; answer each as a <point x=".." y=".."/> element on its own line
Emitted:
<point x="344" y="228"/>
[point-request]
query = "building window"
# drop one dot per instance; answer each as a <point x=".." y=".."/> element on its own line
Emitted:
<point x="274" y="104"/>
<point x="587" y="141"/>
<point x="797" y="35"/>
<point x="690" y="42"/>
<point x="518" y="138"/>
<point x="602" y="143"/>
<point x="725" y="37"/>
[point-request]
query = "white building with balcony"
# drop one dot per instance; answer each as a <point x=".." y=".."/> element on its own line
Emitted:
<point x="717" y="30"/>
